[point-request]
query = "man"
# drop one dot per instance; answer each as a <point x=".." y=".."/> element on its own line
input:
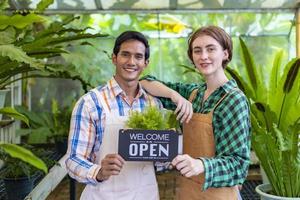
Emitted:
<point x="95" y="123"/>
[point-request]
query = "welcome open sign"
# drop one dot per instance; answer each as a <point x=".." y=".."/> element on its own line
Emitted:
<point x="148" y="145"/>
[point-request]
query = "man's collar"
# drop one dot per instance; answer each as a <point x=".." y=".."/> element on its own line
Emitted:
<point x="115" y="89"/>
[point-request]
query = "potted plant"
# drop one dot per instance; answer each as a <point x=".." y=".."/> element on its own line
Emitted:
<point x="61" y="119"/>
<point x="19" y="163"/>
<point x="48" y="126"/>
<point x="275" y="118"/>
<point x="18" y="173"/>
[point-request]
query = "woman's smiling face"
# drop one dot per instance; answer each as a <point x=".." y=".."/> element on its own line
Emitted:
<point x="208" y="55"/>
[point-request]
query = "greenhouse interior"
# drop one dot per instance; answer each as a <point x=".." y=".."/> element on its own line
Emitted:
<point x="57" y="56"/>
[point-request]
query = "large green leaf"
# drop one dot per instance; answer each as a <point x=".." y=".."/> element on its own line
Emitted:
<point x="44" y="52"/>
<point x="275" y="75"/>
<point x="240" y="81"/>
<point x="250" y="65"/>
<point x="264" y="115"/>
<point x="25" y="155"/>
<point x="7" y="36"/>
<point x="13" y="113"/>
<point x="3" y="5"/>
<point x="43" y="4"/>
<point x="291" y="77"/>
<point x="17" y="54"/>
<point x="12" y="70"/>
<point x="19" y="21"/>
<point x="287" y="104"/>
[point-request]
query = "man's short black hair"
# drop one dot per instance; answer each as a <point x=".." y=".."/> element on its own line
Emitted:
<point x="131" y="35"/>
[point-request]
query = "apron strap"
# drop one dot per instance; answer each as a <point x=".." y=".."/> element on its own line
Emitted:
<point x="223" y="97"/>
<point x="193" y="95"/>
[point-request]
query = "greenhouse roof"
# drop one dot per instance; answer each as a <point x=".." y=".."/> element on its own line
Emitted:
<point x="158" y="5"/>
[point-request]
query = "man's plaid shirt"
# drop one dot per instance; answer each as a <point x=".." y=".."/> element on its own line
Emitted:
<point x="231" y="126"/>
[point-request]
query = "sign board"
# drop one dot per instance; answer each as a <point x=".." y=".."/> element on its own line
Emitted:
<point x="148" y="145"/>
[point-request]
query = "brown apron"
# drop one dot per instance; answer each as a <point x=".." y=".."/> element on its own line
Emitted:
<point x="198" y="141"/>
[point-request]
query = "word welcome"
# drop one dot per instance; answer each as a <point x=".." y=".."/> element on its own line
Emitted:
<point x="140" y="136"/>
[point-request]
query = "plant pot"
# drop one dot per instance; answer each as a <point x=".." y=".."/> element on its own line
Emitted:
<point x="61" y="145"/>
<point x="264" y="189"/>
<point x="17" y="189"/>
<point x="2" y="99"/>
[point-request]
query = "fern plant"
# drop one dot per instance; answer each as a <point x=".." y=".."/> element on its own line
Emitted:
<point x="28" y="46"/>
<point x="152" y="119"/>
<point x="47" y="127"/>
<point x="275" y="119"/>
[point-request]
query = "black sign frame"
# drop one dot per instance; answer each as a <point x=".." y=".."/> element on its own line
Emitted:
<point x="148" y="145"/>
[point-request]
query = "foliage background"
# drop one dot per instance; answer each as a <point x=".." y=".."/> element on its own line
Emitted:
<point x="264" y="33"/>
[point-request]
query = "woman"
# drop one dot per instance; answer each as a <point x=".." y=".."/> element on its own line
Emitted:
<point x="216" y="139"/>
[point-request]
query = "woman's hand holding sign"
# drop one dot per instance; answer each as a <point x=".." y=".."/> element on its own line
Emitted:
<point x="110" y="165"/>
<point x="187" y="165"/>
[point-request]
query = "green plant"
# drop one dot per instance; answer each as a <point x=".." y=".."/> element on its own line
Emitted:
<point x="46" y="126"/>
<point x="11" y="112"/>
<point x="61" y="118"/>
<point x="19" y="162"/>
<point x="31" y="48"/>
<point x="152" y="119"/>
<point x="275" y="118"/>
<point x="17" y="153"/>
